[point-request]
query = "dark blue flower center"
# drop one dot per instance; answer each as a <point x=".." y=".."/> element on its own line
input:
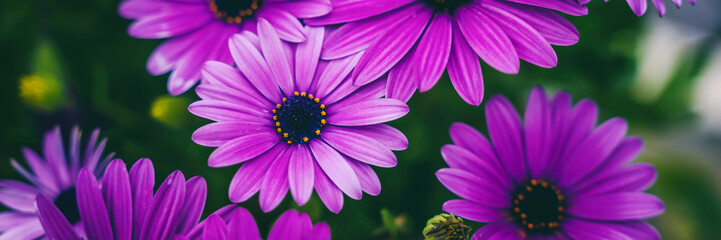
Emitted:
<point x="67" y="202"/>
<point x="299" y="118"/>
<point x="446" y="5"/>
<point x="538" y="207"/>
<point x="235" y="11"/>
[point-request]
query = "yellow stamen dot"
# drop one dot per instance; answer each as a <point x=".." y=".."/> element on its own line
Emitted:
<point x="302" y="94"/>
<point x="310" y="96"/>
<point x="534" y="182"/>
<point x="275" y="118"/>
<point x="528" y="188"/>
<point x="273" y="110"/>
<point x="322" y="121"/>
<point x="317" y="100"/>
<point x="289" y="142"/>
<point x="523" y="215"/>
<point x="277" y="124"/>
<point x="322" y="106"/>
<point x="278" y="106"/>
<point x="317" y="132"/>
<point x="279" y="130"/>
<point x="285" y="99"/>
<point x="530" y="225"/>
<point x="305" y="139"/>
<point x="296" y="93"/>
<point x="322" y="113"/>
<point x="520" y="196"/>
<point x="285" y="134"/>
<point x="516" y="209"/>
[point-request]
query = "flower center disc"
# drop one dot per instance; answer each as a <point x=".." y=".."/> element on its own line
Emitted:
<point x="538" y="207"/>
<point x="67" y="202"/>
<point x="234" y="11"/>
<point x="299" y="118"/>
<point x="446" y="5"/>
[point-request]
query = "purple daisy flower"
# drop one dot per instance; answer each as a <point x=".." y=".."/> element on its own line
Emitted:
<point x="234" y="222"/>
<point x="52" y="175"/>
<point x="295" y="121"/>
<point x="639" y="6"/>
<point x="122" y="205"/>
<point x="198" y="30"/>
<point x="416" y="40"/>
<point x="554" y="176"/>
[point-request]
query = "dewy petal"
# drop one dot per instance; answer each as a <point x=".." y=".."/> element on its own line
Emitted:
<point x="470" y="187"/>
<point x="368" y="112"/>
<point x="275" y="55"/>
<point x="350" y="11"/>
<point x="252" y="64"/>
<point x="215" y="228"/>
<point x="195" y="195"/>
<point x="275" y="183"/>
<point x="300" y="174"/>
<point x="473" y="211"/>
<point x="464" y="69"/>
<point x="433" y="51"/>
<point x="92" y="207"/>
<point x="616" y="206"/>
<point x="581" y="229"/>
<point x="248" y="178"/>
<point x="307" y="55"/>
<point x="162" y="217"/>
<point x="142" y="181"/>
<point x="529" y="43"/>
<point x="118" y="198"/>
<point x="359" y="147"/>
<point x="504" y="126"/>
<point x="593" y="150"/>
<point x="336" y="168"/>
<point x="242" y="149"/>
<point x="242" y="225"/>
<point x="290" y="225"/>
<point x="56" y="226"/>
<point x="385" y="52"/>
<point x="328" y="192"/>
<point x="487" y="39"/>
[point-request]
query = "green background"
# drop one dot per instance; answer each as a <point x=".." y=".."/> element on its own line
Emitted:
<point x="105" y="85"/>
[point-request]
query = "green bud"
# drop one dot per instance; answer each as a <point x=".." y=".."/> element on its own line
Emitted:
<point x="446" y="227"/>
<point x="170" y="110"/>
<point x="41" y="91"/>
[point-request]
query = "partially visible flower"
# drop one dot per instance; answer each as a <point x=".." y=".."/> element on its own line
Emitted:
<point x="553" y="176"/>
<point x="51" y="174"/>
<point x="639" y="6"/>
<point x="41" y="91"/>
<point x="234" y="222"/>
<point x="198" y="30"/>
<point x="295" y="122"/>
<point x="446" y="226"/>
<point x="415" y="41"/>
<point x="122" y="205"/>
<point x="169" y="110"/>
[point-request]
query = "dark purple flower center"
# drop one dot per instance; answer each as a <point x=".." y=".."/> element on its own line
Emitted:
<point x="235" y="11"/>
<point x="299" y="118"/>
<point x="538" y="207"/>
<point x="67" y="202"/>
<point x="446" y="5"/>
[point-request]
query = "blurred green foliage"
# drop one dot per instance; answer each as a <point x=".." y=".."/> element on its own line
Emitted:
<point x="102" y="72"/>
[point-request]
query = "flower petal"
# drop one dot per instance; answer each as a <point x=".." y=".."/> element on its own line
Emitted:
<point x="464" y="69"/>
<point x="276" y="57"/>
<point x="616" y="206"/>
<point x="92" y="208"/>
<point x="504" y="126"/>
<point x="472" y="211"/>
<point x="248" y="178"/>
<point x="142" y="181"/>
<point x="242" y="149"/>
<point x="487" y="39"/>
<point x="433" y="51"/>
<point x="275" y="183"/>
<point x="163" y="215"/>
<point x="300" y="174"/>
<point x="580" y="229"/>
<point x="307" y="55"/>
<point x="56" y="226"/>
<point x="368" y="112"/>
<point x="470" y="187"/>
<point x="119" y="199"/>
<point x="359" y="147"/>
<point x="242" y="225"/>
<point x="252" y="64"/>
<point x="337" y="169"/>
<point x="390" y="137"/>
<point x="195" y="194"/>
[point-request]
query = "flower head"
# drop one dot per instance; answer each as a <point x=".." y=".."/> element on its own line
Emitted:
<point x="414" y="41"/>
<point x="639" y="6"/>
<point x="198" y="30"/>
<point x="234" y="222"/>
<point x="52" y="174"/>
<point x="554" y="175"/>
<point x="295" y="122"/>
<point x="122" y="205"/>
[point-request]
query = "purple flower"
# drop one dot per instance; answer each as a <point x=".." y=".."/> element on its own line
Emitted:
<point x="415" y="40"/>
<point x="295" y="121"/>
<point x="122" y="205"/>
<point x="52" y="175"/>
<point x="555" y="175"/>
<point x="639" y="6"/>
<point x="198" y="30"/>
<point x="234" y="222"/>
